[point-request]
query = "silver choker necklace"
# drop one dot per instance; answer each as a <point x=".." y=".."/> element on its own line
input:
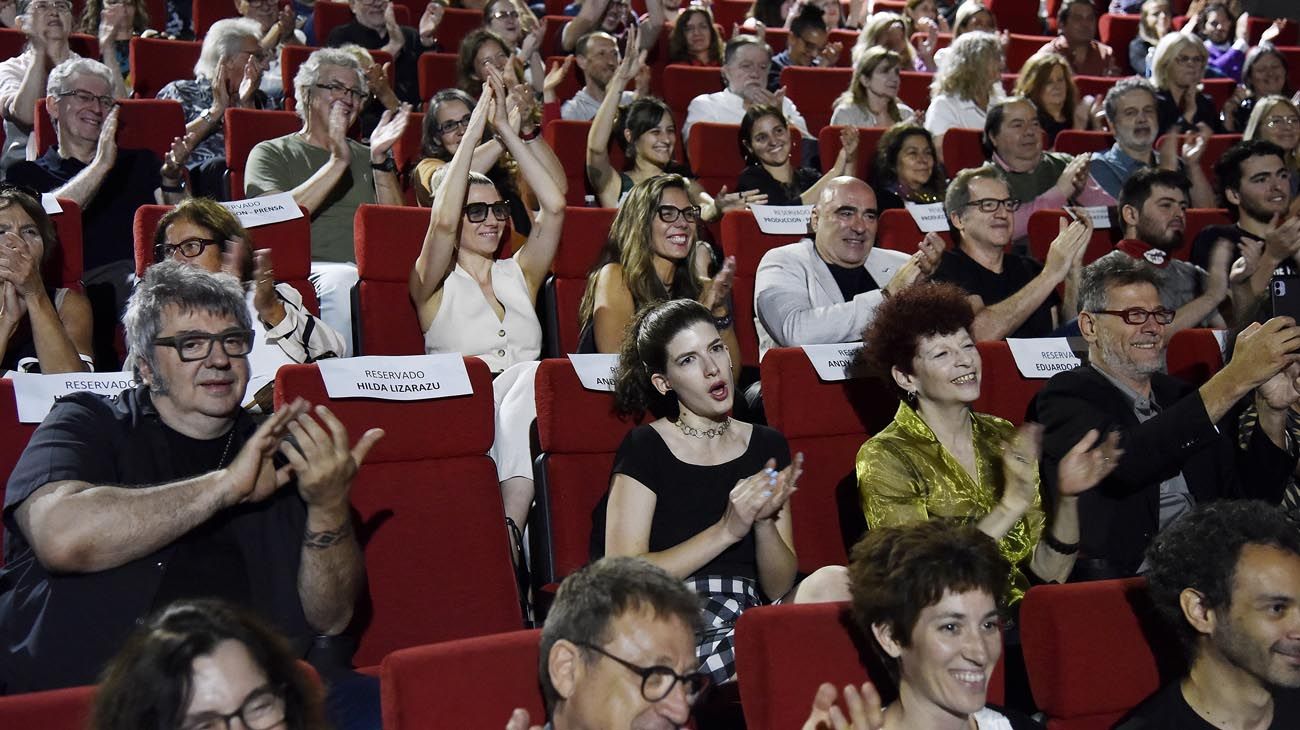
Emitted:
<point x="707" y="433"/>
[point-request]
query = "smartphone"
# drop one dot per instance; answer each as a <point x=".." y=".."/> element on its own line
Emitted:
<point x="1285" y="293"/>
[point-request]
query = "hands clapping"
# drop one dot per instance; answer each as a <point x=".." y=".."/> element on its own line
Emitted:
<point x="760" y="497"/>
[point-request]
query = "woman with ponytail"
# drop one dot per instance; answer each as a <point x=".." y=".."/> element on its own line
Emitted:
<point x="696" y="492"/>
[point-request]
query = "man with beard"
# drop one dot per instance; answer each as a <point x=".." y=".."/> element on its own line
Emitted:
<point x="1227" y="578"/>
<point x="1180" y="444"/>
<point x="1153" y="209"/>
<point x="598" y="57"/>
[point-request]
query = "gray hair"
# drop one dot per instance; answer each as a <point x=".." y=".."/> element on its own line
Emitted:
<point x="189" y="289"/>
<point x="1109" y="271"/>
<point x="63" y="74"/>
<point x="1122" y="87"/>
<point x="309" y="73"/>
<point x="738" y="42"/>
<point x="223" y="40"/>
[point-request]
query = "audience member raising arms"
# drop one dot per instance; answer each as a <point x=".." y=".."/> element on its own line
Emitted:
<point x="652" y="255"/>
<point x="906" y="168"/>
<point x="469" y="302"/>
<point x="1046" y="80"/>
<point x="1276" y="119"/>
<point x="695" y="492"/>
<point x="695" y="41"/>
<point x="37" y="322"/>
<point x="938" y="458"/>
<point x="968" y="80"/>
<point x="765" y="145"/>
<point x="872" y="97"/>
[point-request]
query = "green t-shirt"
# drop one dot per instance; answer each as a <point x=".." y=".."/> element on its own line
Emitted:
<point x="284" y="163"/>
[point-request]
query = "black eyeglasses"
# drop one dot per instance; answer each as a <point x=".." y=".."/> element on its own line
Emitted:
<point x="670" y="213"/>
<point x="340" y="89"/>
<point x="1138" y="315"/>
<point x="198" y="345"/>
<point x="990" y="205"/>
<point x="658" y="681"/>
<point x="478" y="212"/>
<point x="85" y="97"/>
<point x="189" y="248"/>
<point x="263" y="709"/>
<point x="451" y="125"/>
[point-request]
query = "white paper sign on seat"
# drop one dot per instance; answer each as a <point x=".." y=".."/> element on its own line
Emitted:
<point x="406" y="377"/>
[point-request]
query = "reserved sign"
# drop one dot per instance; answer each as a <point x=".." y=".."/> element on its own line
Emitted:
<point x="783" y="220"/>
<point x="1043" y="357"/>
<point x="596" y="371"/>
<point x="1099" y="214"/>
<point x="411" y="377"/>
<point x="36" y="393"/>
<point x="929" y="217"/>
<point x="50" y="204"/>
<point x="268" y="209"/>
<point x="835" y="361"/>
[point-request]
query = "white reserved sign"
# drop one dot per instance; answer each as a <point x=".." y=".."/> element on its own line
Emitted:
<point x="929" y="217"/>
<point x="268" y="209"/>
<point x="783" y="220"/>
<point x="413" y="377"/>
<point x="50" y="204"/>
<point x="833" y="362"/>
<point x="1222" y="337"/>
<point x="595" y="370"/>
<point x="1099" y="214"/>
<point x="1043" y="357"/>
<point x="36" y="393"/>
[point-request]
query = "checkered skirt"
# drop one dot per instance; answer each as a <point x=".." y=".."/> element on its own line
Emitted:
<point x="722" y="599"/>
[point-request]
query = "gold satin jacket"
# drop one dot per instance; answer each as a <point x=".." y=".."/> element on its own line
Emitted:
<point x="905" y="475"/>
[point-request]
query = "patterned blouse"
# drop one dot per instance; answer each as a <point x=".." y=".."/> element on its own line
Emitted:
<point x="195" y="96"/>
<point x="905" y="475"/>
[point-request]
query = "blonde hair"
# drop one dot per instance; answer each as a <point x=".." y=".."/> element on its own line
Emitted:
<point x="966" y="11"/>
<point x="874" y="58"/>
<point x="876" y="27"/>
<point x="1167" y="51"/>
<point x="962" y="70"/>
<point x="1263" y="108"/>
<point x="1035" y="75"/>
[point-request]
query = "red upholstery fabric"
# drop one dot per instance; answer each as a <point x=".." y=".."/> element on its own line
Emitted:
<point x="149" y="124"/>
<point x="13" y="439"/>
<point x="828" y="422"/>
<point x="1004" y="392"/>
<point x="1092" y="651"/>
<point x="424" y="493"/>
<point x="68" y="225"/>
<point x="204" y="13"/>
<point x="290" y="244"/>
<point x="683" y="83"/>
<point x="828" y="142"/>
<point x="291" y="57"/>
<point x="914" y="88"/>
<point x="437" y="71"/>
<point x="456" y="23"/>
<point x="1017" y="16"/>
<point x="814" y="90"/>
<point x="783" y="653"/>
<point x="156" y="62"/>
<point x="474" y="683"/>
<point x="1078" y="141"/>
<point x="1194" y="355"/>
<point x="1197" y="220"/>
<point x="1117" y="31"/>
<point x="244" y="129"/>
<point x="897" y="231"/>
<point x="1045" y="226"/>
<point x="329" y="15"/>
<point x="1256" y="26"/>
<point x="961" y="149"/>
<point x="584" y="234"/>
<point x="1024" y="43"/>
<point x="13" y="41"/>
<point x="727" y="12"/>
<point x="57" y="709"/>
<point x="715" y="155"/>
<point x="578" y="434"/>
<point x="742" y="238"/>
<point x="388" y="240"/>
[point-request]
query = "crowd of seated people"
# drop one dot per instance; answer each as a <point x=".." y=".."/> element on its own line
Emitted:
<point x="472" y="129"/>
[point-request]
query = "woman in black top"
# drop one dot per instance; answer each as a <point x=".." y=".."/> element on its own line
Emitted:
<point x="765" y="145"/>
<point x="696" y="492"/>
<point x="906" y="168"/>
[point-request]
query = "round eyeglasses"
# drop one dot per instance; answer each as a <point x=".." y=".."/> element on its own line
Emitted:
<point x="658" y="681"/>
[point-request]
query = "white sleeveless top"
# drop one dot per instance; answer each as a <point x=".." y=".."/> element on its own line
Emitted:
<point x="467" y="323"/>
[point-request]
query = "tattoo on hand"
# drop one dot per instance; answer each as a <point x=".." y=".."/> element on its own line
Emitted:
<point x="327" y="538"/>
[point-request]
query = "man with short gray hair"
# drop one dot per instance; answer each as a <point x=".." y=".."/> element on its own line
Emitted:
<point x="746" y="63"/>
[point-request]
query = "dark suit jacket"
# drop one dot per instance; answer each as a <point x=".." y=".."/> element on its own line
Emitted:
<point x="1118" y="517"/>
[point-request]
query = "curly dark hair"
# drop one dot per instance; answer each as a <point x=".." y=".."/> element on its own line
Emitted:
<point x="896" y="572"/>
<point x="645" y="352"/>
<point x="884" y="167"/>
<point x="1201" y="551"/>
<point x="901" y="321"/>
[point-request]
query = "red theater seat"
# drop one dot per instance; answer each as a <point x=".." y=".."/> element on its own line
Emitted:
<point x="471" y="683"/>
<point x="897" y="231"/>
<point x="156" y="62"/>
<point x="742" y="238"/>
<point x="1018" y="16"/>
<point x="68" y="227"/>
<point x="828" y="143"/>
<point x="715" y="158"/>
<point x="1197" y="220"/>
<point x="437" y="71"/>
<point x="204" y="13"/>
<point x="1092" y="651"/>
<point x="244" y="129"/>
<point x="13" y="439"/>
<point x="419" y="500"/>
<point x="961" y="149"/>
<point x="149" y="124"/>
<point x="814" y="90"/>
<point x="1096" y="86"/>
<point x="584" y="235"/>
<point x="1079" y="141"/>
<point x="1004" y="392"/>
<point x="1117" y="31"/>
<point x="1194" y="355"/>
<point x="388" y="240"/>
<point x="57" y="709"/>
<point x="683" y="83"/>
<point x="456" y="22"/>
<point x="914" y="88"/>
<point x="289" y="241"/>
<point x="1045" y="226"/>
<point x="1022" y="45"/>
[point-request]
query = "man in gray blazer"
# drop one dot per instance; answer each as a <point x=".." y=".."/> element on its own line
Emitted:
<point x="825" y="289"/>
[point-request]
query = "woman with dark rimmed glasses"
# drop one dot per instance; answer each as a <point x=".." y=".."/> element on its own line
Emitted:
<point x="472" y="303"/>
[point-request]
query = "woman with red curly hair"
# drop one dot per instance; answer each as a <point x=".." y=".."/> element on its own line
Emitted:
<point x="938" y="458"/>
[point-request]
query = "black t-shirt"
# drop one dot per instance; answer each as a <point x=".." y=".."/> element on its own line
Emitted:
<point x="1170" y="114"/>
<point x="1168" y="710"/>
<point x="1204" y="243"/>
<point x="756" y="177"/>
<point x="1017" y="271"/>
<point x="406" y="67"/>
<point x="852" y="282"/>
<point x="108" y="220"/>
<point x="690" y="498"/>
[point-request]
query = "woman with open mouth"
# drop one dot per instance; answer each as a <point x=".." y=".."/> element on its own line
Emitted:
<point x="940" y="459"/>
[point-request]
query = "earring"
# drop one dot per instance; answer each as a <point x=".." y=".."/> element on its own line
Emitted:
<point x="911" y="398"/>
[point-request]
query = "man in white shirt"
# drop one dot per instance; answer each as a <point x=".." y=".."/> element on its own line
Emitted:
<point x="745" y="66"/>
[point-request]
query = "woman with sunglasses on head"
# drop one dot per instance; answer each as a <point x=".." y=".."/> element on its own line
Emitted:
<point x="42" y="328"/>
<point x="202" y="233"/>
<point x="696" y="492"/>
<point x="472" y="303"/>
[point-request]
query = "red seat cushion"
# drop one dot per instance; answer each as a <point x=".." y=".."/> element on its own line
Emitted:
<point x="388" y="240"/>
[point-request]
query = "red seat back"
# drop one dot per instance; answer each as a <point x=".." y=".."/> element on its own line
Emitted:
<point x="479" y="681"/>
<point x="1022" y="45"/>
<point x="388" y="240"/>
<point x="1092" y="651"/>
<point x="156" y="62"/>
<point x="1004" y="392"/>
<point x="683" y="83"/>
<point x="244" y="129"/>
<point x="68" y="226"/>
<point x="289" y="241"/>
<point x="1197" y="220"/>
<point x="914" y="88"/>
<point x="1017" y="16"/>
<point x="418" y="501"/>
<point x="1079" y="141"/>
<point x="897" y="231"/>
<point x="729" y="12"/>
<point x="437" y="71"/>
<point x="1045" y="226"/>
<point x="1194" y="355"/>
<point x="578" y="434"/>
<point x="149" y="124"/>
<point x="584" y="235"/>
<point x="814" y="91"/>
<point x="456" y="23"/>
<point x="742" y="238"/>
<point x="961" y="149"/>
<point x="1118" y="31"/>
<point x="828" y="143"/>
<point x="56" y="709"/>
<point x="203" y="13"/>
<point x="1095" y="85"/>
<point x="714" y="152"/>
<point x="828" y="422"/>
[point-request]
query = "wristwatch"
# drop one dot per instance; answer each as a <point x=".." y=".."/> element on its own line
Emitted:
<point x="388" y="165"/>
